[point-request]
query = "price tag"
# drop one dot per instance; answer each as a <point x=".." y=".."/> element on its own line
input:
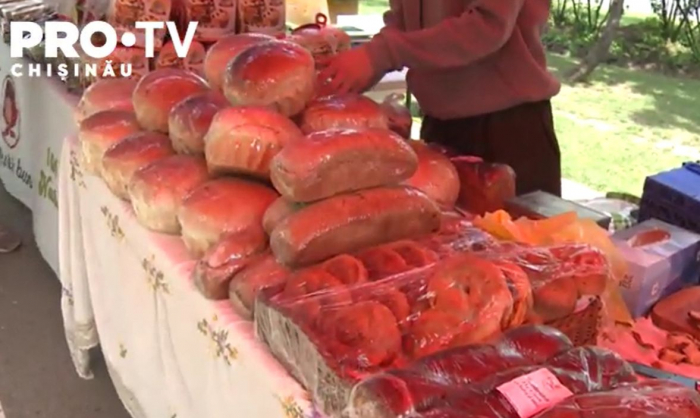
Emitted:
<point x="534" y="392"/>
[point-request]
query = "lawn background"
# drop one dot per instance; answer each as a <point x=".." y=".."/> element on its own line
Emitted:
<point x="622" y="126"/>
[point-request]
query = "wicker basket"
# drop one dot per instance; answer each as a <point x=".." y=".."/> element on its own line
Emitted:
<point x="583" y="326"/>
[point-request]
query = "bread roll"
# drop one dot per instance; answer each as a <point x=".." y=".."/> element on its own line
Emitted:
<point x="277" y="212"/>
<point x="343" y="111"/>
<point x="276" y="74"/>
<point x="436" y="175"/>
<point x="100" y="131"/>
<point x="122" y="159"/>
<point x="352" y="222"/>
<point x="190" y="119"/>
<point x="222" y="206"/>
<point x="322" y="43"/>
<point x="328" y="163"/>
<point x="224" y="51"/>
<point x="106" y="94"/>
<point x="157" y="189"/>
<point x="245" y="139"/>
<point x="159" y="91"/>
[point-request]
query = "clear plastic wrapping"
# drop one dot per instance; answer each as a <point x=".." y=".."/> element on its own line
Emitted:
<point x="476" y="378"/>
<point x="331" y="162"/>
<point x="123" y="15"/>
<point x="485" y="187"/>
<point x="399" y="116"/>
<point x="217" y="18"/>
<point x="262" y="16"/>
<point x="348" y="111"/>
<point x="436" y="176"/>
<point x="244" y="140"/>
<point x="194" y="61"/>
<point x="323" y="42"/>
<point x="276" y="74"/>
<point x="331" y="326"/>
<point x="648" y="399"/>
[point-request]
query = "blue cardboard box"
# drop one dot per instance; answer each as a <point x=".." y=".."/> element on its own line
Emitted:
<point x="661" y="260"/>
<point x="674" y="197"/>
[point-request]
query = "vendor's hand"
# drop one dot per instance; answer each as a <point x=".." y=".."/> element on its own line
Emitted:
<point x="348" y="72"/>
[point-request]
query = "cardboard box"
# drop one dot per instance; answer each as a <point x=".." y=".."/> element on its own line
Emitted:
<point x="661" y="259"/>
<point x="540" y="205"/>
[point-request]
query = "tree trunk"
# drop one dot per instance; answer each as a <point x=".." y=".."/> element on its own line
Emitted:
<point x="600" y="49"/>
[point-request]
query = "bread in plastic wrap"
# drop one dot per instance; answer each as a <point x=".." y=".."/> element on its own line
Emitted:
<point x="398" y="115"/>
<point x="123" y="15"/>
<point x="346" y="111"/>
<point x="276" y="74"/>
<point x="323" y="42"/>
<point x="101" y="130"/>
<point x="122" y="159"/>
<point x="222" y="206"/>
<point x="233" y="253"/>
<point x="372" y="264"/>
<point x="193" y="61"/>
<point x="106" y="94"/>
<point x="278" y="211"/>
<point x="262" y="16"/>
<point x="328" y="163"/>
<point x="159" y="91"/>
<point x="156" y="190"/>
<point x="331" y="327"/>
<point x="224" y="51"/>
<point x="483" y="380"/>
<point x="350" y="222"/>
<point x="647" y="399"/>
<point x="189" y="121"/>
<point x="217" y="18"/>
<point x="244" y="140"/>
<point x="485" y="187"/>
<point x="436" y="176"/>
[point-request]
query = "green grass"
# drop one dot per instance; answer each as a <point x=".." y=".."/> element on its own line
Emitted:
<point x="372" y="7"/>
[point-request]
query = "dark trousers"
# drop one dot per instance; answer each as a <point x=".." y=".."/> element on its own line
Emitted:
<point x="522" y="137"/>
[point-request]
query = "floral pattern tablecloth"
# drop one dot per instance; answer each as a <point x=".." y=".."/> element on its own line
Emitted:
<point x="170" y="352"/>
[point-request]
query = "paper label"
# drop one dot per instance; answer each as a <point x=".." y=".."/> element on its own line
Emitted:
<point x="534" y="392"/>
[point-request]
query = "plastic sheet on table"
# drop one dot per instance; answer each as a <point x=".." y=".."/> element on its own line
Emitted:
<point x="485" y="379"/>
<point x="333" y="326"/>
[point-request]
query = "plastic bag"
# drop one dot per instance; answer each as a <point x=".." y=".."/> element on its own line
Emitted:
<point x="400" y="119"/>
<point x="485" y="187"/>
<point x="647" y="399"/>
<point x="480" y="378"/>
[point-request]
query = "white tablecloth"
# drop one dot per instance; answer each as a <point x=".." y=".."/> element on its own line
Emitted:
<point x="37" y="116"/>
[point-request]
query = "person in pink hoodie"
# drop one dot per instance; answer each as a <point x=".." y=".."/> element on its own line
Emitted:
<point x="479" y="72"/>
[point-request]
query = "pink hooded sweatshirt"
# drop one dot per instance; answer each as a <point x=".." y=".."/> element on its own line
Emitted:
<point x="467" y="57"/>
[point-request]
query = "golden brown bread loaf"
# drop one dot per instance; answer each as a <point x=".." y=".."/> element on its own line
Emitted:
<point x="436" y="175"/>
<point x="100" y="131"/>
<point x="189" y="121"/>
<point x="278" y="211"/>
<point x="347" y="111"/>
<point x="222" y="206"/>
<point x="352" y="222"/>
<point x="106" y="94"/>
<point x="159" y="91"/>
<point x="121" y="161"/>
<point x="276" y="74"/>
<point x="224" y="51"/>
<point x="328" y="163"/>
<point x="245" y="139"/>
<point x="156" y="190"/>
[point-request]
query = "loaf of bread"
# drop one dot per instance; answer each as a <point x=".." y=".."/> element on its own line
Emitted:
<point x="352" y="222"/>
<point x="159" y="91"/>
<point x="190" y="119"/>
<point x="100" y="131"/>
<point x="106" y="94"/>
<point x="343" y="111"/>
<point x="264" y="274"/>
<point x="157" y="190"/>
<point x="222" y="206"/>
<point x="224" y="51"/>
<point x="328" y="163"/>
<point x="245" y="139"/>
<point x="436" y="175"/>
<point x="122" y="159"/>
<point x="323" y="43"/>
<point x="275" y="74"/>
